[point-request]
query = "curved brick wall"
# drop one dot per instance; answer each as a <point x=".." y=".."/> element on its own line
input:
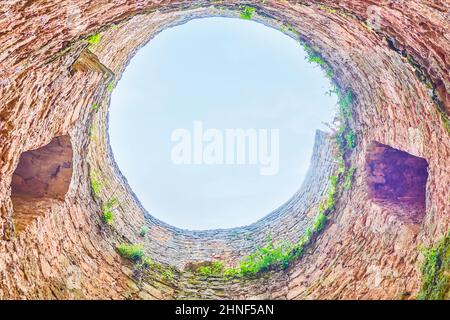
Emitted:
<point x="398" y="71"/>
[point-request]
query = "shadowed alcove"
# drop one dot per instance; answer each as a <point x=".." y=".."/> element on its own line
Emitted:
<point x="41" y="179"/>
<point x="397" y="180"/>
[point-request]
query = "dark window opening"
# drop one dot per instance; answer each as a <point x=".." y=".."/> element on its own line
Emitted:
<point x="397" y="180"/>
<point x="41" y="179"/>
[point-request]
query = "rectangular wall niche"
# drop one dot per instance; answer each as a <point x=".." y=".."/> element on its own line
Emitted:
<point x="41" y="179"/>
<point x="397" y="181"/>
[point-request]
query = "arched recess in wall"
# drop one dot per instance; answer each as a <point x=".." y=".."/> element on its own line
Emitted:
<point x="397" y="181"/>
<point x="41" y="179"/>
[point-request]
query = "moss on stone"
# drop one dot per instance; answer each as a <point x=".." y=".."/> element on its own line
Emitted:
<point x="315" y="57"/>
<point x="96" y="185"/>
<point x="94" y="39"/>
<point x="215" y="268"/>
<point x="143" y="231"/>
<point x="110" y="86"/>
<point x="107" y="213"/>
<point x="436" y="271"/>
<point x="349" y="178"/>
<point x="247" y="12"/>
<point x="132" y="252"/>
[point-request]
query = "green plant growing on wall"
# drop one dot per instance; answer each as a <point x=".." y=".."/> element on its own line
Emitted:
<point x="285" y="28"/>
<point x="230" y="273"/>
<point x="214" y="269"/>
<point x="350" y="139"/>
<point x="345" y="136"/>
<point x="167" y="275"/>
<point x="348" y="181"/>
<point x="108" y="216"/>
<point x="108" y="206"/>
<point x="436" y="271"/>
<point x="247" y="12"/>
<point x="110" y="86"/>
<point x="96" y="185"/>
<point x="143" y="231"/>
<point x="134" y="252"/>
<point x="331" y="195"/>
<point x="319" y="222"/>
<point x="314" y="57"/>
<point x="95" y="107"/>
<point x="93" y="40"/>
<point x="266" y="258"/>
<point x="148" y="263"/>
<point x="345" y="101"/>
<point x="107" y="211"/>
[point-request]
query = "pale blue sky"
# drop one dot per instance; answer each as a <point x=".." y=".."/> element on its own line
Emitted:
<point x="228" y="73"/>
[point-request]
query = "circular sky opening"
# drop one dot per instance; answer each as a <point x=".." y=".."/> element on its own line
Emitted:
<point x="213" y="122"/>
